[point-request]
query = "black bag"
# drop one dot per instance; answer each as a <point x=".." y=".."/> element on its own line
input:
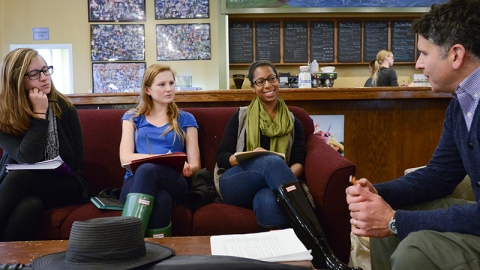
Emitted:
<point x="203" y="190"/>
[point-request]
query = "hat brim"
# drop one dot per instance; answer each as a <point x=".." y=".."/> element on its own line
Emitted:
<point x="154" y="253"/>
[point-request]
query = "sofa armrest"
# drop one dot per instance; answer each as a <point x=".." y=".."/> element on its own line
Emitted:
<point x="326" y="175"/>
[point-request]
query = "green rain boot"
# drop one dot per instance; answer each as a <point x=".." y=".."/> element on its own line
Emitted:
<point x="160" y="232"/>
<point x="139" y="205"/>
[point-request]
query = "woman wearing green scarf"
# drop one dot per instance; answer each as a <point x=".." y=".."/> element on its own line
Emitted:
<point x="266" y="124"/>
<point x="269" y="184"/>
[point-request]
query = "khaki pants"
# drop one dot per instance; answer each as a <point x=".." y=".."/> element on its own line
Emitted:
<point x="427" y="249"/>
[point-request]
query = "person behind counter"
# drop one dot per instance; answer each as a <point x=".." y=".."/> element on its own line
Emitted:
<point x="411" y="222"/>
<point x="157" y="126"/>
<point x="257" y="183"/>
<point x="384" y="74"/>
<point x="37" y="123"/>
<point x="371" y="68"/>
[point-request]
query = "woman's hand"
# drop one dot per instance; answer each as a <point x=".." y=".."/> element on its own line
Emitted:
<point x="39" y="100"/>
<point x="187" y="171"/>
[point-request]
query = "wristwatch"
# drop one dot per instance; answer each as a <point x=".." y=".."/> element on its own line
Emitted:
<point x="393" y="226"/>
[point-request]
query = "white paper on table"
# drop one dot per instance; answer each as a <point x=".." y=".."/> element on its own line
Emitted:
<point x="273" y="246"/>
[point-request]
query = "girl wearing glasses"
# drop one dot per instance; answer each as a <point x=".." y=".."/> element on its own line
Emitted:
<point x="269" y="184"/>
<point x="384" y="74"/>
<point x="37" y="123"/>
<point x="266" y="124"/>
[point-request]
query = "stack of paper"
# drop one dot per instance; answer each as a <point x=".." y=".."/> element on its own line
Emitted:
<point x="273" y="246"/>
<point x="56" y="164"/>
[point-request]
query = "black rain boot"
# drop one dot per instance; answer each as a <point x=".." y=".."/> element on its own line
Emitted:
<point x="307" y="227"/>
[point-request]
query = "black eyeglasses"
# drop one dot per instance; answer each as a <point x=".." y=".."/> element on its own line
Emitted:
<point x="270" y="79"/>
<point x="35" y="74"/>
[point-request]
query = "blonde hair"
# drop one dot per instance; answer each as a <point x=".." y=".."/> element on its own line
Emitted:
<point x="145" y="104"/>
<point x="15" y="107"/>
<point x="381" y="56"/>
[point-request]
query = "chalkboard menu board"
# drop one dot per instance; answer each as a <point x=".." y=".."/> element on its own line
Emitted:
<point x="403" y="41"/>
<point x="267" y="46"/>
<point x="349" y="41"/>
<point x="375" y="39"/>
<point x="322" y="42"/>
<point x="240" y="42"/>
<point x="295" y="42"/>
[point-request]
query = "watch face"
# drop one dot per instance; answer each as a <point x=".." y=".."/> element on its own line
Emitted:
<point x="392" y="226"/>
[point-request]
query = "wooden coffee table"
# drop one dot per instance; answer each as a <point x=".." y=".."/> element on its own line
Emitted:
<point x="27" y="251"/>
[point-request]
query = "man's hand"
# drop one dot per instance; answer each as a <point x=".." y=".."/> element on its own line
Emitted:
<point x="369" y="212"/>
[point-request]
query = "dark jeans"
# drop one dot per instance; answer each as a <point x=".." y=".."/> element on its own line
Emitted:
<point x="251" y="185"/>
<point x="24" y="195"/>
<point x="164" y="183"/>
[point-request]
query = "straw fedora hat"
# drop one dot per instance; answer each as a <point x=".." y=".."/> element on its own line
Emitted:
<point x="105" y="243"/>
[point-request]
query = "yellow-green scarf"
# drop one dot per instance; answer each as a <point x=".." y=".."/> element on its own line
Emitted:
<point x="258" y="120"/>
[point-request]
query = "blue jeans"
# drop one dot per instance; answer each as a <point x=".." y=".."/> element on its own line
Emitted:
<point x="251" y="184"/>
<point x="168" y="187"/>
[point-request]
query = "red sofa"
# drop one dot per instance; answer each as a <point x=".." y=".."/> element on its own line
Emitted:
<point x="326" y="174"/>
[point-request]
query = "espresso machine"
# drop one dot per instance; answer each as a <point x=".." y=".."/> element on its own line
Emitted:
<point x="323" y="79"/>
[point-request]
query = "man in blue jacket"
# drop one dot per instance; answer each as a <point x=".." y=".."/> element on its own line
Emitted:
<point x="411" y="223"/>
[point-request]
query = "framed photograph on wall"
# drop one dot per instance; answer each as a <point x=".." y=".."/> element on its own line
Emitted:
<point x="331" y="128"/>
<point x="116" y="10"/>
<point x="181" y="9"/>
<point x="117" y="77"/>
<point x="117" y="42"/>
<point x="183" y="42"/>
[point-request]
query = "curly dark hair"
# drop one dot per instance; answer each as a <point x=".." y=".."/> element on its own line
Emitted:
<point x="257" y="64"/>
<point x="454" y="22"/>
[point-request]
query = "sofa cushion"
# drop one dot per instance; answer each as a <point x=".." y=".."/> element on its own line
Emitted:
<point x="221" y="218"/>
<point x="84" y="212"/>
<point x="52" y="221"/>
<point x="101" y="141"/>
<point x="182" y="219"/>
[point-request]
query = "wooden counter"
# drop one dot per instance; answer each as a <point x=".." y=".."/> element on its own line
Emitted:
<point x="387" y="129"/>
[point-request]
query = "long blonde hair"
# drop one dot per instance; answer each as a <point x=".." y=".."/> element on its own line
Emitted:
<point x="15" y="107"/>
<point x="381" y="56"/>
<point x="145" y="104"/>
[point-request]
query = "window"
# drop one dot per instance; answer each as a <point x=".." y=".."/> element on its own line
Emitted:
<point x="60" y="57"/>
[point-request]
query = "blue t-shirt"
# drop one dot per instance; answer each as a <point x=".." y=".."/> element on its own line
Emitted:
<point x="150" y="138"/>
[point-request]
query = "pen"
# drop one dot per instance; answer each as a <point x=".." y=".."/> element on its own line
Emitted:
<point x="352" y="180"/>
<point x="326" y="134"/>
<point x="148" y="144"/>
